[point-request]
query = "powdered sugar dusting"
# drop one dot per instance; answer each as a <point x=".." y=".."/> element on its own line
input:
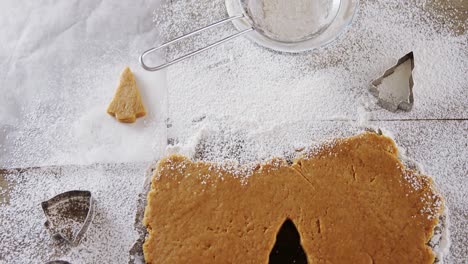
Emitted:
<point x="242" y="81"/>
<point x="248" y="104"/>
<point x="239" y="102"/>
<point x="439" y="147"/>
<point x="24" y="239"/>
<point x="60" y="67"/>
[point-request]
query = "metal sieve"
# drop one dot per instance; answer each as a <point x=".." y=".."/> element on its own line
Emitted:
<point x="282" y="25"/>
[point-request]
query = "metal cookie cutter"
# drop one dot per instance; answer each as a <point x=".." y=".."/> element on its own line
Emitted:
<point x="324" y="20"/>
<point x="69" y="215"/>
<point x="394" y="89"/>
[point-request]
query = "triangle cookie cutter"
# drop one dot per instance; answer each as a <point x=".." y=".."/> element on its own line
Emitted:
<point x="69" y="215"/>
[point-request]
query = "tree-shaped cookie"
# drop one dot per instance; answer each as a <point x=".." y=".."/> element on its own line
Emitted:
<point x="126" y="106"/>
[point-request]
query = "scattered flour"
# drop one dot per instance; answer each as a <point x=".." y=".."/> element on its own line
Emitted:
<point x="23" y="237"/>
<point x="244" y="103"/>
<point x="238" y="102"/>
<point x="243" y="80"/>
<point x="58" y="72"/>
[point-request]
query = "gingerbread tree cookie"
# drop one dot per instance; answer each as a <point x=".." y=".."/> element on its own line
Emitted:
<point x="352" y="201"/>
<point x="126" y="106"/>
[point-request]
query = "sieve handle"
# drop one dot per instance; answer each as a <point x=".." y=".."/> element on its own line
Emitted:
<point x="188" y="55"/>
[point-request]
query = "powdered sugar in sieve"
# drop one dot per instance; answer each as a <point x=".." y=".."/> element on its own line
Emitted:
<point x="293" y="20"/>
<point x="282" y="25"/>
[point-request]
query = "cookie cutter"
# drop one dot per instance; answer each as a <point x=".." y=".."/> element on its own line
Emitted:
<point x="69" y="215"/>
<point x="397" y="97"/>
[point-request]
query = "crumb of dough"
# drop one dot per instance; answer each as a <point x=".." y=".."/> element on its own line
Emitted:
<point x="126" y="106"/>
<point x="352" y="201"/>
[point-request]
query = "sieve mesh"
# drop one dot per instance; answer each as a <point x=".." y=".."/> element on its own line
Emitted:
<point x="291" y="20"/>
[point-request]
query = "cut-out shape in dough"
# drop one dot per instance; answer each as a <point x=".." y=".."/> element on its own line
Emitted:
<point x="394" y="89"/>
<point x="352" y="201"/>
<point x="287" y="248"/>
<point x="126" y="106"/>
